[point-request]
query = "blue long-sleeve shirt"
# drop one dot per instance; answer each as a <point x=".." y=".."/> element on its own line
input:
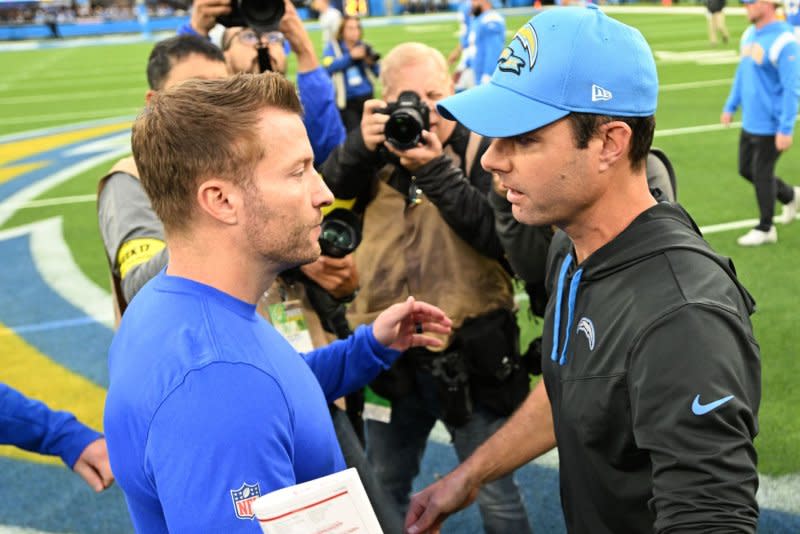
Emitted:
<point x="766" y="85"/>
<point x="320" y="114"/>
<point x="356" y="79"/>
<point x="29" y="424"/>
<point x="209" y="407"/>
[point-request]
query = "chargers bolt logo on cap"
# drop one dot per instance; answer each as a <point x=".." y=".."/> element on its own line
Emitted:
<point x="527" y="38"/>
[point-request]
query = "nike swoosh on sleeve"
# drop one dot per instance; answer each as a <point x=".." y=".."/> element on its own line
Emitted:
<point x="702" y="409"/>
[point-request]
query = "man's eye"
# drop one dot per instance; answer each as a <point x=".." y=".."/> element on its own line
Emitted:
<point x="524" y="140"/>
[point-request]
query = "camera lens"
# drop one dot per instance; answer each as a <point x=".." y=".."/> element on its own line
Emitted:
<point x="404" y="128"/>
<point x="338" y="235"/>
<point x="262" y="15"/>
<point x="341" y="233"/>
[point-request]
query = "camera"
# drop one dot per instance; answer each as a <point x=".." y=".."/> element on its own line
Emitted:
<point x="408" y="116"/>
<point x="370" y="54"/>
<point x="261" y="15"/>
<point x="341" y="233"/>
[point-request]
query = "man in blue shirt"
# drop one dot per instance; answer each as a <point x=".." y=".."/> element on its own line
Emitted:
<point x="487" y="37"/>
<point x="208" y="406"/>
<point x="766" y="88"/>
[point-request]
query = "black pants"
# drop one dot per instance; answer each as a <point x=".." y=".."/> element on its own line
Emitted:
<point x="757" y="158"/>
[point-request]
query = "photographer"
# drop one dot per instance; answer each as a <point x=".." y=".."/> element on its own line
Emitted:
<point x="321" y="116"/>
<point x="428" y="229"/>
<point x="353" y="66"/>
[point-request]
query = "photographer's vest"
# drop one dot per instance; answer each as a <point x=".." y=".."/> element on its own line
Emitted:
<point x="409" y="249"/>
<point x="284" y="303"/>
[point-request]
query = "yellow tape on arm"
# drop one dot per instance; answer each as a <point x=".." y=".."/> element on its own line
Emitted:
<point x="137" y="251"/>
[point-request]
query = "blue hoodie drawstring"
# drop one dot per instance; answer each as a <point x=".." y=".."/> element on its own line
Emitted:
<point x="573" y="293"/>
<point x="557" y="319"/>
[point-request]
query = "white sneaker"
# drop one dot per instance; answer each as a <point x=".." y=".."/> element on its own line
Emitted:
<point x="790" y="210"/>
<point x="756" y="237"/>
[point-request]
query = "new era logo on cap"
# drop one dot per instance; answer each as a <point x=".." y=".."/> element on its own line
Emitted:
<point x="564" y="60"/>
<point x="600" y="94"/>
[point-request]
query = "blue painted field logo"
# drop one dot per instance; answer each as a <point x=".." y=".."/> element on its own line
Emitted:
<point x="243" y="500"/>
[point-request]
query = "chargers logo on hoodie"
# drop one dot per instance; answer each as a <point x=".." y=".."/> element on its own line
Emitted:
<point x="526" y="38"/>
<point x="586" y="327"/>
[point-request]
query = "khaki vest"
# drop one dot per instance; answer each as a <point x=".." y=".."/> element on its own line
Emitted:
<point x="411" y="250"/>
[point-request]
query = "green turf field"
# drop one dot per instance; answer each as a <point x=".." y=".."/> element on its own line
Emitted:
<point x="44" y="88"/>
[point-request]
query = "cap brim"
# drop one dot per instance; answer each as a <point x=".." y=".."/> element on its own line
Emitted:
<point x="495" y="111"/>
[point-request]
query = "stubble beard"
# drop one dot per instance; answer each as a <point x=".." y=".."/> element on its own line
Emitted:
<point x="278" y="239"/>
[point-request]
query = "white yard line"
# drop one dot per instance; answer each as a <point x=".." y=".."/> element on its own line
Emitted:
<point x="694" y="85"/>
<point x="56" y="117"/>
<point x="61" y="97"/>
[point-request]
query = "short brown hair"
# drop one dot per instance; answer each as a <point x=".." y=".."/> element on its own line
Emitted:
<point x="203" y="128"/>
<point x="585" y="126"/>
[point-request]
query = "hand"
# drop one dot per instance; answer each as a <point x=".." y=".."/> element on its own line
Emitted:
<point x="373" y="124"/>
<point x="337" y="276"/>
<point x="783" y="141"/>
<point x="726" y="118"/>
<point x="431" y="506"/>
<point x="454" y="56"/>
<point x="358" y="52"/>
<point x="205" y="13"/>
<point x="295" y="32"/>
<point x="402" y="326"/>
<point x="93" y="466"/>
<point x="277" y="57"/>
<point x="414" y="158"/>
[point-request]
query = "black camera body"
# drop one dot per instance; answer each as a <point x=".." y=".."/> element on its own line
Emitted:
<point x="370" y="54"/>
<point x="341" y="233"/>
<point x="408" y="116"/>
<point x="260" y="15"/>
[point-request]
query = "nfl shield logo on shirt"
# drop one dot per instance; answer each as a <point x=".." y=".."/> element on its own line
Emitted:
<point x="243" y="500"/>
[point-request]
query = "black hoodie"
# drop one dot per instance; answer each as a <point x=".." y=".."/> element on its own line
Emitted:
<point x="654" y="379"/>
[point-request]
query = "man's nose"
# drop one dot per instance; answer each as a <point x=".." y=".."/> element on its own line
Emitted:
<point x="494" y="159"/>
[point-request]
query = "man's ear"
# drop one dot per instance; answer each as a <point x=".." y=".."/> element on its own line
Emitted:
<point x="148" y="95"/>
<point x="616" y="138"/>
<point x="221" y="200"/>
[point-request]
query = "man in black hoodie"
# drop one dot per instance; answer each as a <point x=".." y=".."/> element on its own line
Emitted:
<point x="651" y="374"/>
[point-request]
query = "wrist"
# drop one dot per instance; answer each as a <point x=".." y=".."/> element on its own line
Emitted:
<point x="198" y="29"/>
<point x="306" y="57"/>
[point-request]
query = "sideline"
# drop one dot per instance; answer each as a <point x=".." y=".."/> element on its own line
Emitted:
<point x="369" y="22"/>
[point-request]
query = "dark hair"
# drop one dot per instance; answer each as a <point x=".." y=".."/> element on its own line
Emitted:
<point x="185" y="134"/>
<point x="340" y="31"/>
<point x="169" y="51"/>
<point x="585" y="125"/>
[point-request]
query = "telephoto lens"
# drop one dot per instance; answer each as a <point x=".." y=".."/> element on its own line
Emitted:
<point x="341" y="233"/>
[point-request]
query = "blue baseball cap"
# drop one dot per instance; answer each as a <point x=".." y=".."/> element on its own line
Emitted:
<point x="567" y="59"/>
